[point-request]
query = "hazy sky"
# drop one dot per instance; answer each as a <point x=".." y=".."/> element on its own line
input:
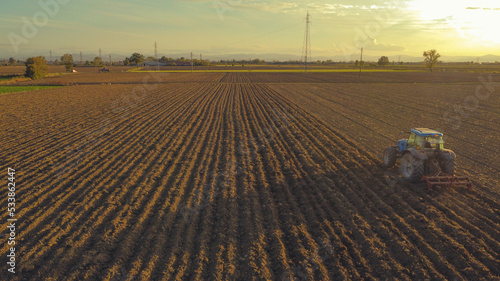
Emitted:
<point x="224" y="27"/>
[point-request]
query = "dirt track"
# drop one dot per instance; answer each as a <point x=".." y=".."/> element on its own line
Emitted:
<point x="227" y="180"/>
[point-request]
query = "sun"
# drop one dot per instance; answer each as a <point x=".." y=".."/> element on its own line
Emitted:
<point x="472" y="20"/>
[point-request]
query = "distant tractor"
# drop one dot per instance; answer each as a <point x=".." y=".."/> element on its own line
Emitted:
<point x="423" y="157"/>
<point x="104" y="69"/>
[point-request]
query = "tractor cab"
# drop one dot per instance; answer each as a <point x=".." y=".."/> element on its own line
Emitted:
<point x="422" y="139"/>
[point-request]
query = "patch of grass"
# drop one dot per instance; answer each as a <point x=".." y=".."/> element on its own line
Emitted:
<point x="58" y="74"/>
<point x="10" y="79"/>
<point x="14" y="89"/>
<point x="137" y="69"/>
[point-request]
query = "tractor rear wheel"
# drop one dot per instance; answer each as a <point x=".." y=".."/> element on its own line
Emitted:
<point x="448" y="167"/>
<point x="411" y="168"/>
<point x="390" y="157"/>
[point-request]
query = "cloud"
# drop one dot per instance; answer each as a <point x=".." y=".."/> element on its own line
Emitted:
<point x="129" y="17"/>
<point x="300" y="6"/>
<point x="11" y="19"/>
<point x="273" y="6"/>
<point x="385" y="47"/>
<point x="370" y="44"/>
<point x="349" y="10"/>
<point x="480" y="8"/>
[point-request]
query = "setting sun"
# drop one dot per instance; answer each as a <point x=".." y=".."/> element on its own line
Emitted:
<point x="475" y="21"/>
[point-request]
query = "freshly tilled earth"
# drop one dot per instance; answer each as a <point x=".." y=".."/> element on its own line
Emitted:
<point x="228" y="179"/>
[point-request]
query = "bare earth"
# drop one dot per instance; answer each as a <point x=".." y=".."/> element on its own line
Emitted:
<point x="247" y="176"/>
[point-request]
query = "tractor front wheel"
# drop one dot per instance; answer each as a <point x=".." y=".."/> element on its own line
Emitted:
<point x="390" y="155"/>
<point x="448" y="167"/>
<point x="411" y="168"/>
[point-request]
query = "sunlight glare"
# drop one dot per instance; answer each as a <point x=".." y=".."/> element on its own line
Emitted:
<point x="477" y="20"/>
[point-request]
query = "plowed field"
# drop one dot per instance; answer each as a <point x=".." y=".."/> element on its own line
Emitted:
<point x="232" y="179"/>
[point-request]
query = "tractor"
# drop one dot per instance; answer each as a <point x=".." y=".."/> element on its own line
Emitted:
<point x="423" y="157"/>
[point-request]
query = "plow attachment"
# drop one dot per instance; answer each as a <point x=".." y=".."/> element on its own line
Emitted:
<point x="447" y="180"/>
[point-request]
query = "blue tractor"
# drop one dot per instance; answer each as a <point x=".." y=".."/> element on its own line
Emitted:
<point x="422" y="154"/>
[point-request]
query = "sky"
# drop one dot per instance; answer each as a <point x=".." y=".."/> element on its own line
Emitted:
<point x="223" y="28"/>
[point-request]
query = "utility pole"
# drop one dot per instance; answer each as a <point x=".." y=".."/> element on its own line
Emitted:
<point x="191" y="62"/>
<point x="100" y="53"/>
<point x="50" y="56"/>
<point x="200" y="57"/>
<point x="110" y="61"/>
<point x="156" y="51"/>
<point x="307" y="43"/>
<point x="81" y="57"/>
<point x="361" y="62"/>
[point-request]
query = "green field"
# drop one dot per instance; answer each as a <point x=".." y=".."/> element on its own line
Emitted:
<point x="14" y="89"/>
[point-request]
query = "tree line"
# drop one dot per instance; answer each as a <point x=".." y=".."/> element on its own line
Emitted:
<point x="36" y="67"/>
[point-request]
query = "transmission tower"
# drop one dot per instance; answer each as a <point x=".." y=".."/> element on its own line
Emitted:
<point x="156" y="51"/>
<point x="100" y="53"/>
<point x="306" y="49"/>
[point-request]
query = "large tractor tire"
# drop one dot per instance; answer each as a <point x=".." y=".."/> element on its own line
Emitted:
<point x="411" y="168"/>
<point x="448" y="166"/>
<point x="390" y="156"/>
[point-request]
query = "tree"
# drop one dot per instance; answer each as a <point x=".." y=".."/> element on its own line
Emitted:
<point x="36" y="67"/>
<point x="12" y="61"/>
<point x="164" y="59"/>
<point x="67" y="61"/>
<point x="383" y="60"/>
<point x="358" y="63"/>
<point x="97" y="62"/>
<point x="431" y="58"/>
<point x="126" y="61"/>
<point x="136" y="58"/>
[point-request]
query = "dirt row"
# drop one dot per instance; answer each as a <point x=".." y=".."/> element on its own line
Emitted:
<point x="374" y="115"/>
<point x="121" y="76"/>
<point x="223" y="181"/>
<point x="136" y="78"/>
<point x="365" y="77"/>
